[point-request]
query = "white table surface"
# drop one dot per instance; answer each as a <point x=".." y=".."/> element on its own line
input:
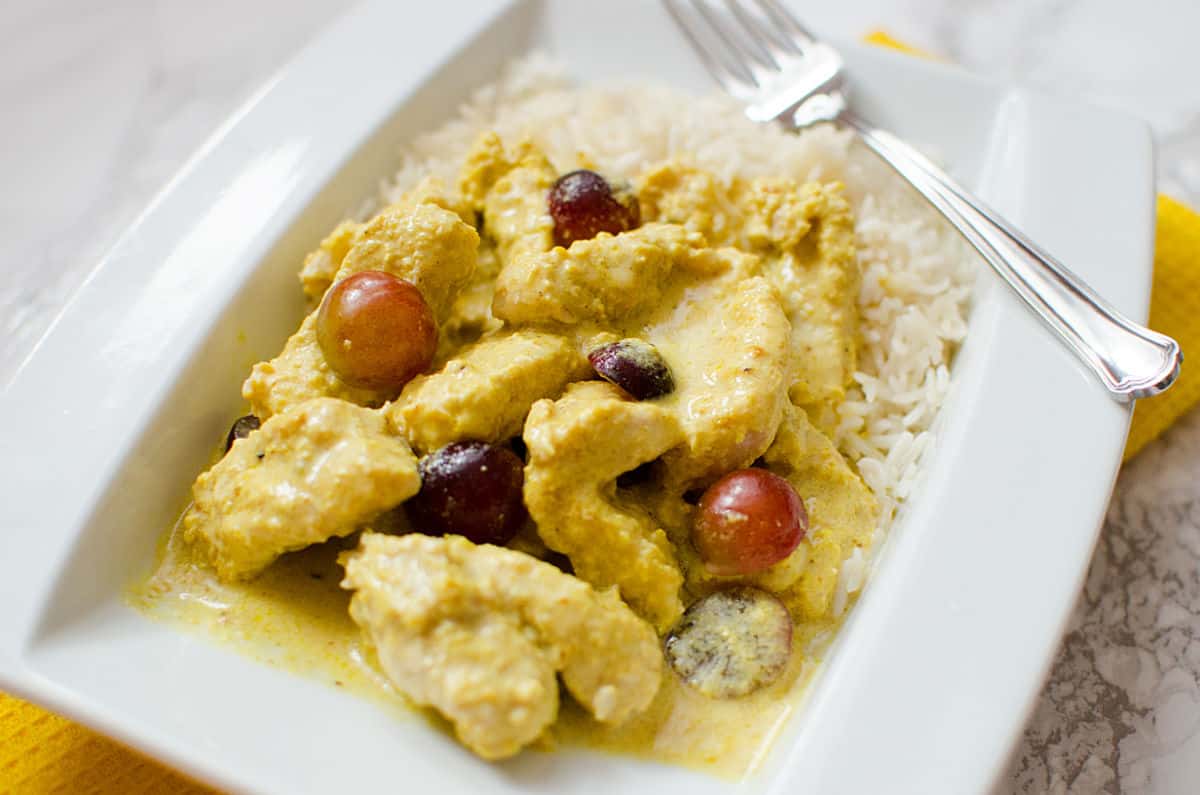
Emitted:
<point x="104" y="101"/>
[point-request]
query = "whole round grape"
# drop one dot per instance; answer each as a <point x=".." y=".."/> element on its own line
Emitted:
<point x="583" y="205"/>
<point x="471" y="489"/>
<point x="731" y="643"/>
<point x="747" y="522"/>
<point x="242" y="427"/>
<point x="376" y="331"/>
<point x="635" y="366"/>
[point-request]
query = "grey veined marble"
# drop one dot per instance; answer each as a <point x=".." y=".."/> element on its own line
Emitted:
<point x="104" y="101"/>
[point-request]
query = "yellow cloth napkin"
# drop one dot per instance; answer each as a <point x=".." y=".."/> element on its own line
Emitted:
<point x="43" y="753"/>
<point x="1175" y="311"/>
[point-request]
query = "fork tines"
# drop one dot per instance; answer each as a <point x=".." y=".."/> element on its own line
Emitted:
<point x="742" y="44"/>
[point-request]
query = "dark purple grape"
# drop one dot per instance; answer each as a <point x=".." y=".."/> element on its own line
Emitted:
<point x="635" y="366"/>
<point x="242" y="427"/>
<point x="583" y="205"/>
<point x="731" y="643"/>
<point x="471" y="489"/>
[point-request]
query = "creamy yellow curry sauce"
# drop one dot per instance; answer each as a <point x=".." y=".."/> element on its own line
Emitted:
<point x="294" y="617"/>
<point x="621" y="375"/>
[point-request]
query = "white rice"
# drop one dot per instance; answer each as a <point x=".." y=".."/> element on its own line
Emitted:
<point x="917" y="272"/>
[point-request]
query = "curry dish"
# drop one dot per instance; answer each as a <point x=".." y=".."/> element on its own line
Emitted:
<point x="564" y="443"/>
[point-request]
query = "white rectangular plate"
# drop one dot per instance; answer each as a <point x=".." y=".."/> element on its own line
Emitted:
<point x="115" y="412"/>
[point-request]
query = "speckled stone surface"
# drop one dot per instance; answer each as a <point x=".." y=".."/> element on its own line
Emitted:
<point x="103" y="102"/>
<point x="1121" y="711"/>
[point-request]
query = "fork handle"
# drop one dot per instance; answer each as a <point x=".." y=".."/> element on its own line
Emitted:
<point x="1129" y="359"/>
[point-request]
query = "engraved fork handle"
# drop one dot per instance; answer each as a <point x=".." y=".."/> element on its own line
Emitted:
<point x="1130" y="360"/>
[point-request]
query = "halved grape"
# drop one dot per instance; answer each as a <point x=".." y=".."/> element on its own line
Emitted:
<point x="634" y="365"/>
<point x="747" y="522"/>
<point x="376" y="331"/>
<point x="471" y="489"/>
<point x="242" y="427"/>
<point x="583" y="205"/>
<point x="731" y="643"/>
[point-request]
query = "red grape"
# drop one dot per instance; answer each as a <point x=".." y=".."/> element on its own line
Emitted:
<point x="583" y="205"/>
<point x="748" y="521"/>
<point x="471" y="489"/>
<point x="376" y="331"/>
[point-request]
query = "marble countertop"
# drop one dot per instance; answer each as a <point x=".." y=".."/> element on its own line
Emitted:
<point x="103" y="102"/>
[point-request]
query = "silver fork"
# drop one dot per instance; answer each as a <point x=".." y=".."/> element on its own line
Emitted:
<point x="764" y="57"/>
